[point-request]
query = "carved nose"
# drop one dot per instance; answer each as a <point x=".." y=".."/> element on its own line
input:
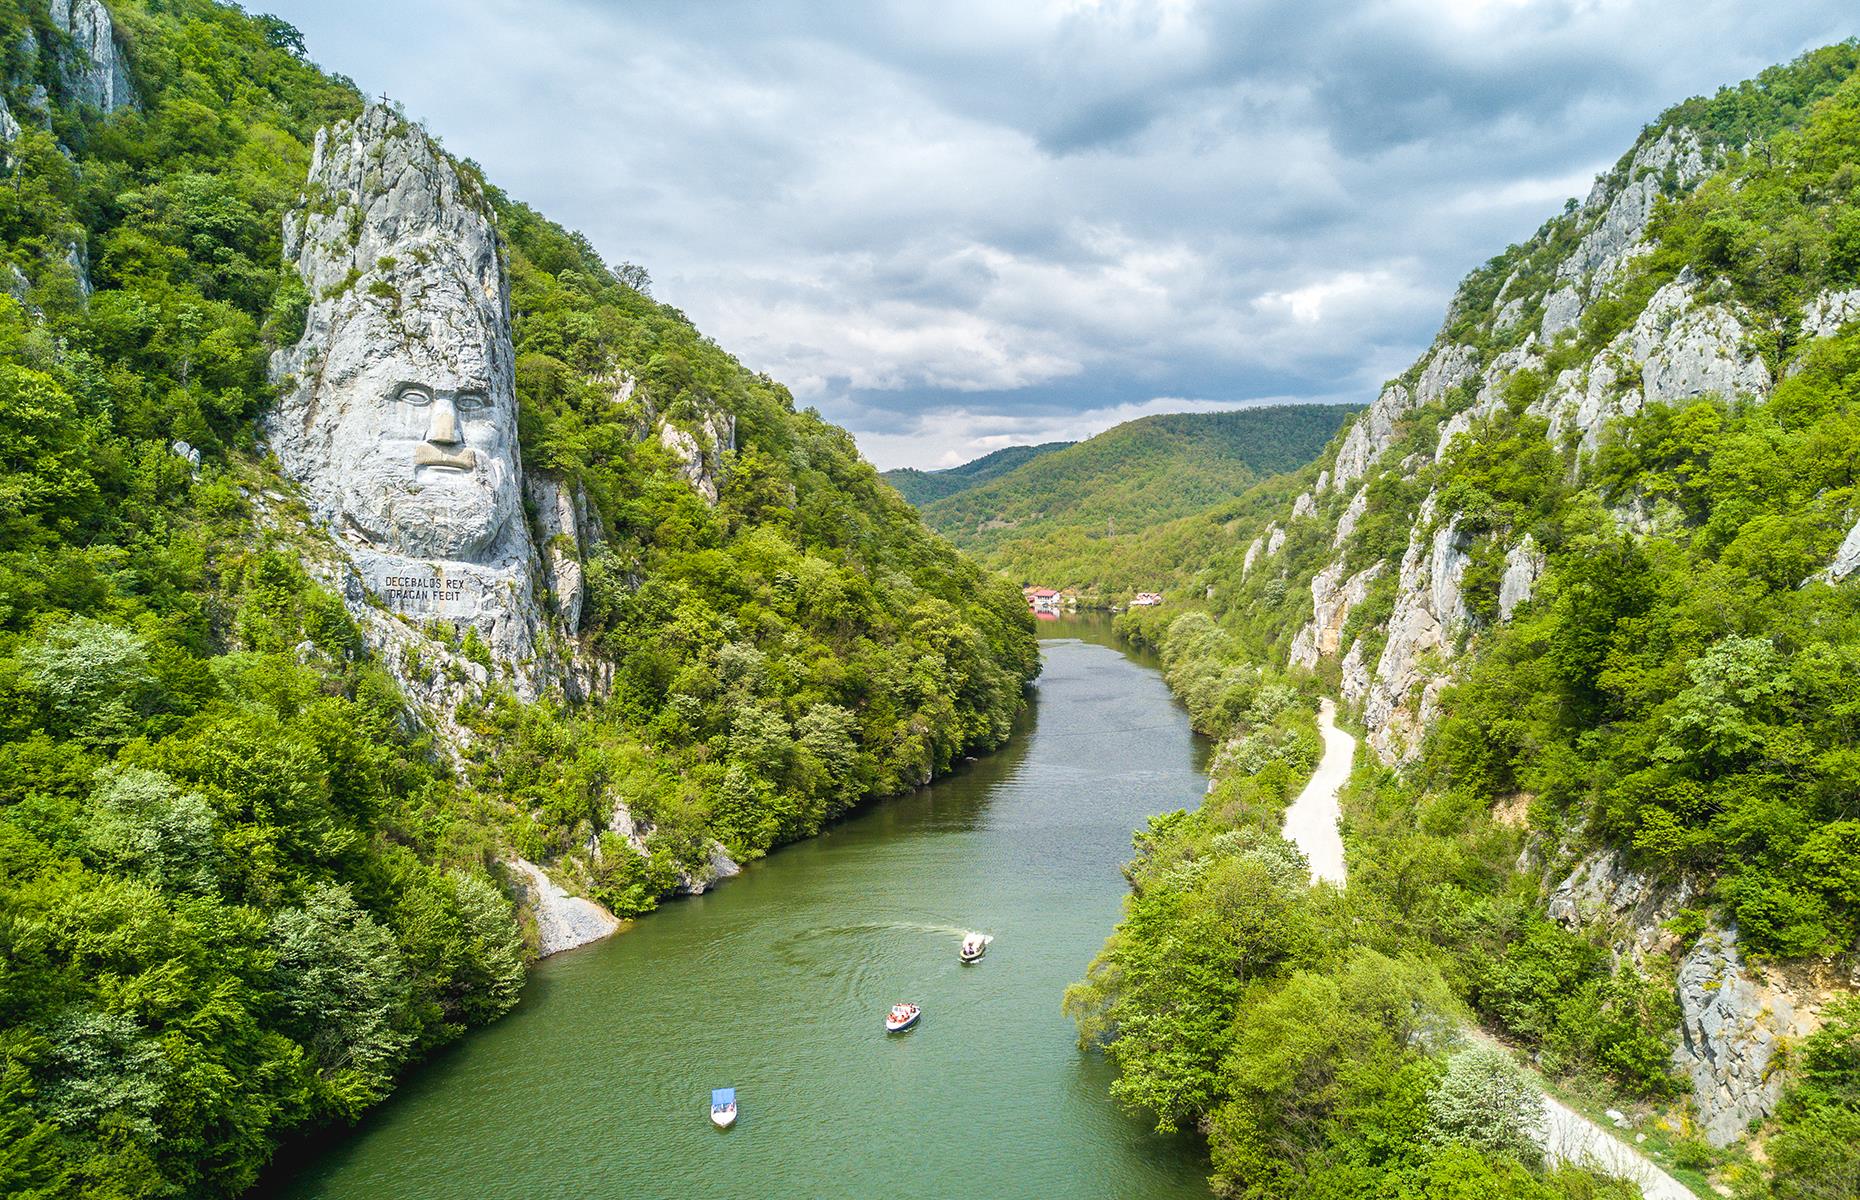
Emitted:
<point x="444" y="427"/>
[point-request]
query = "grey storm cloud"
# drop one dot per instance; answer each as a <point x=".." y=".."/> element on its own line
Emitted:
<point x="953" y="226"/>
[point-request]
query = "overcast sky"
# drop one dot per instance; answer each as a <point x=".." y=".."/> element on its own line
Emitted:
<point x="954" y="225"/>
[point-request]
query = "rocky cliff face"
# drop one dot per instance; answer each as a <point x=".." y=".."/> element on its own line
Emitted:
<point x="1736" y="1018"/>
<point x="96" y="72"/>
<point x="1682" y="345"/>
<point x="398" y="420"/>
<point x="1688" y="340"/>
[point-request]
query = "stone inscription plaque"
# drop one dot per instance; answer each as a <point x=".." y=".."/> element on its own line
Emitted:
<point x="421" y="592"/>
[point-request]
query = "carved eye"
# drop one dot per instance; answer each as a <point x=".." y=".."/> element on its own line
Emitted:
<point x="472" y="402"/>
<point x="414" y="394"/>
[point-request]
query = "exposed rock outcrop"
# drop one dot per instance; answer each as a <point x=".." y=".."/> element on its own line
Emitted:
<point x="700" y="454"/>
<point x="1370" y="434"/>
<point x="1846" y="558"/>
<point x="1677" y="349"/>
<point x="1829" y="311"/>
<point x="1616" y="213"/>
<point x="717" y="866"/>
<point x="1733" y="1023"/>
<point x="1429" y="611"/>
<point x="9" y="133"/>
<point x="1253" y="551"/>
<point x="1356" y="674"/>
<point x="1352" y="513"/>
<point x="563" y="922"/>
<point x="1331" y="601"/>
<point x="97" y="71"/>
<point x="1602" y="892"/>
<point x="566" y="529"/>
<point x="691" y="881"/>
<point x="1377" y="428"/>
<point x="1562" y="310"/>
<point x="1524" y="563"/>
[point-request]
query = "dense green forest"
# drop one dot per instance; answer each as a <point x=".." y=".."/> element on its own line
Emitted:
<point x="1061" y="519"/>
<point x="1681" y="688"/>
<point x="921" y="487"/>
<point x="241" y="886"/>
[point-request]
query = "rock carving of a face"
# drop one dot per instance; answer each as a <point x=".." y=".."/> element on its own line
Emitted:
<point x="402" y="419"/>
<point x="426" y="442"/>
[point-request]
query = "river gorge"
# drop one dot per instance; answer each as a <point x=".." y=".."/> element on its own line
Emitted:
<point x="597" y="1084"/>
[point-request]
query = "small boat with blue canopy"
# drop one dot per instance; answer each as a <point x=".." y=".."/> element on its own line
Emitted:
<point x="723" y="1107"/>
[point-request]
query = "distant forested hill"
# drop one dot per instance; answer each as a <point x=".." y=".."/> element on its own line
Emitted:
<point x="1048" y="517"/>
<point x="922" y="487"/>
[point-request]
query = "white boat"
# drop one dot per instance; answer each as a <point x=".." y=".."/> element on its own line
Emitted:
<point x="723" y="1107"/>
<point x="902" y="1016"/>
<point x="974" y="945"/>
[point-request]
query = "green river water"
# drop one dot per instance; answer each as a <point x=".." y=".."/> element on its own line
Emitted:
<point x="598" y="1084"/>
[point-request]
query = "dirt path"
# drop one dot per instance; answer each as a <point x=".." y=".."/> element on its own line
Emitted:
<point x="1311" y="821"/>
<point x="1573" y="1138"/>
<point x="1311" y="825"/>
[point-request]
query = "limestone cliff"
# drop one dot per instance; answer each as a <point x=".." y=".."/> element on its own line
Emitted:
<point x="96" y="71"/>
<point x="397" y="419"/>
<point x="1512" y="350"/>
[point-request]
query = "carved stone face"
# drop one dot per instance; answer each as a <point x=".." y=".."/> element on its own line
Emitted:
<point x="423" y="445"/>
<point x="399" y="416"/>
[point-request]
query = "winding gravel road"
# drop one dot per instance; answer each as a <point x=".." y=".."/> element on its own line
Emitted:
<point x="1311" y="825"/>
<point x="1311" y="821"/>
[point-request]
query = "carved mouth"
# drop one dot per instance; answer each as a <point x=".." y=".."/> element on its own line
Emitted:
<point x="428" y="455"/>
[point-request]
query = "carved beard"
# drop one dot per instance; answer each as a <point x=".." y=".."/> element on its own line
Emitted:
<point x="438" y="513"/>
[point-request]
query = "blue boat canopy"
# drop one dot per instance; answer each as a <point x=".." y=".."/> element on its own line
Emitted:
<point x="722" y="1097"/>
